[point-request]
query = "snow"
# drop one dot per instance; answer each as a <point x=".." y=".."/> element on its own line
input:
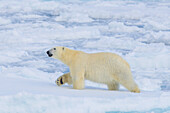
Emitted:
<point x="137" y="30"/>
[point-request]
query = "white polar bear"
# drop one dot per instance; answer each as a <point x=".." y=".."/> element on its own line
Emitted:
<point x="106" y="68"/>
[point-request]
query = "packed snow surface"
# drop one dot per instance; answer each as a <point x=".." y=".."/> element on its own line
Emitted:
<point x="137" y="30"/>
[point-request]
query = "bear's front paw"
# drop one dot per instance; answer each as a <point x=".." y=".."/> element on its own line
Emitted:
<point x="59" y="81"/>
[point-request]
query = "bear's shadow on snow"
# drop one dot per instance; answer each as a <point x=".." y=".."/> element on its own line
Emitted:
<point x="85" y="88"/>
<point x="91" y="88"/>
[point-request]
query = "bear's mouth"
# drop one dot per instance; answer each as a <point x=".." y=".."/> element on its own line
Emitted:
<point x="49" y="54"/>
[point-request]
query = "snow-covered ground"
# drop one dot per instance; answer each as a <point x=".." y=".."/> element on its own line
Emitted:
<point x="139" y="31"/>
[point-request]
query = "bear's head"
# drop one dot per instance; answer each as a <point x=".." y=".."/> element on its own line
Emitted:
<point x="63" y="54"/>
<point x="56" y="52"/>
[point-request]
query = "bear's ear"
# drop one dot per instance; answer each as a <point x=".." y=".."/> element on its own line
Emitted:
<point x="63" y="48"/>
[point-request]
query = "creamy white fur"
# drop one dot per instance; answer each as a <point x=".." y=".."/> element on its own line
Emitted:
<point x="106" y="68"/>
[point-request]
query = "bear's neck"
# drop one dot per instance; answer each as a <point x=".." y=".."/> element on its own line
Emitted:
<point x="69" y="57"/>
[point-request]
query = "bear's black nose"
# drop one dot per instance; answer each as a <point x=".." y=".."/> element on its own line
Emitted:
<point x="49" y="54"/>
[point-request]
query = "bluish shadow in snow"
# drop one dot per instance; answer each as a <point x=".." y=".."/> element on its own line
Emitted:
<point x="165" y="85"/>
<point x="154" y="110"/>
<point x="47" y="13"/>
<point x="109" y="0"/>
<point x="96" y="22"/>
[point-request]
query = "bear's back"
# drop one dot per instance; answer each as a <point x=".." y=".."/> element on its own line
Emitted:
<point x="101" y="65"/>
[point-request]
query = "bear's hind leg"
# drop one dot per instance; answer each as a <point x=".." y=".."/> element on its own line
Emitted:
<point x="130" y="85"/>
<point x="113" y="85"/>
<point x="66" y="78"/>
<point x="133" y="88"/>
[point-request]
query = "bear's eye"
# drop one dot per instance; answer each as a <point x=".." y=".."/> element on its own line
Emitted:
<point x="63" y="48"/>
<point x="54" y="48"/>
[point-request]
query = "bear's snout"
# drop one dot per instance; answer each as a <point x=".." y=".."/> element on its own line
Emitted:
<point x="49" y="54"/>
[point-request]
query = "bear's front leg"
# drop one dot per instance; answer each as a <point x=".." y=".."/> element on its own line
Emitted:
<point x="66" y="78"/>
<point x="78" y="80"/>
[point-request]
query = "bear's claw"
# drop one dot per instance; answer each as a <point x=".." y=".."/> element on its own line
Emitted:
<point x="61" y="80"/>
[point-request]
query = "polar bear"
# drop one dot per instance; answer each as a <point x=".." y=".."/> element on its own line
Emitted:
<point x="104" y="67"/>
